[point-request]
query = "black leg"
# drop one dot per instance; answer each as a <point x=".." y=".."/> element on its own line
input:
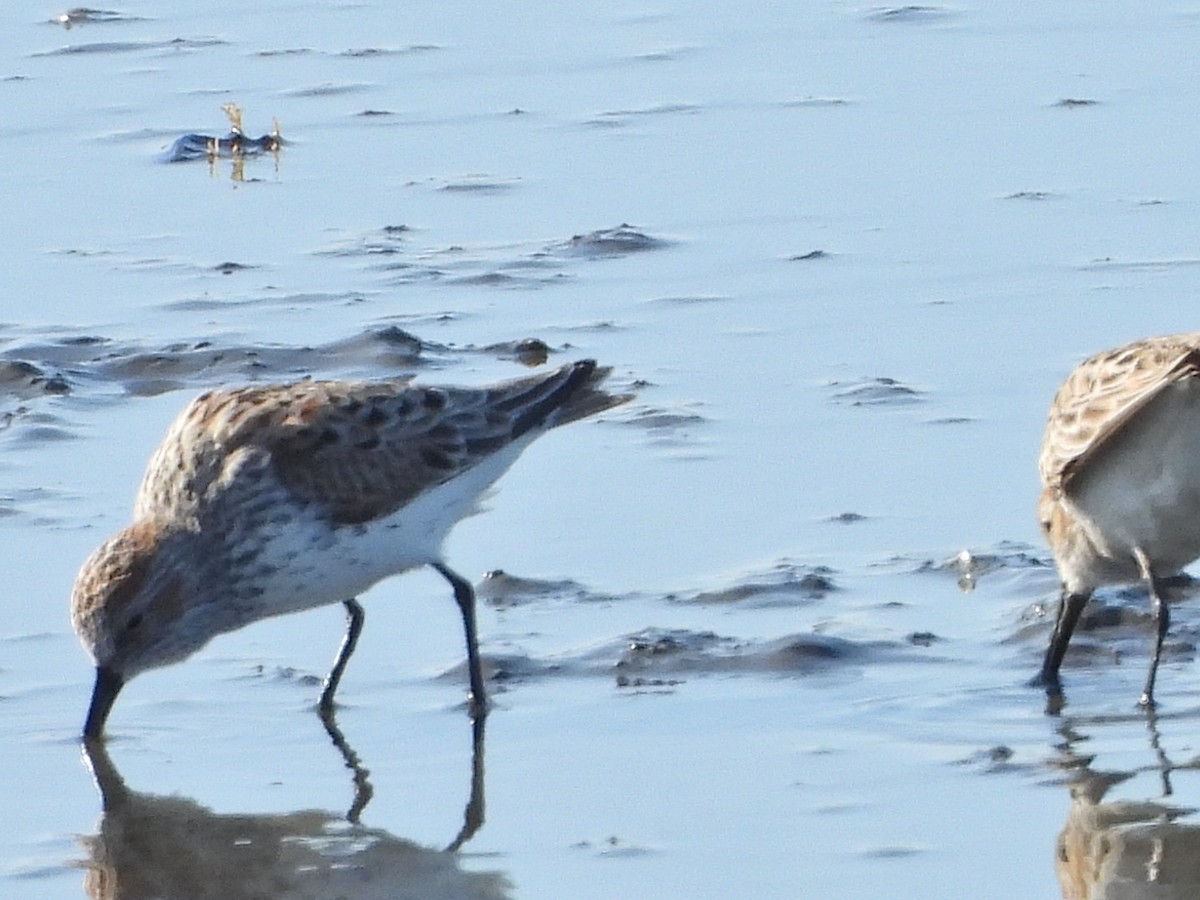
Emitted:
<point x="473" y="814"/>
<point x="1162" y="618"/>
<point x="363" y="789"/>
<point x="354" y="624"/>
<point x="1069" y="609"/>
<point x="464" y="596"/>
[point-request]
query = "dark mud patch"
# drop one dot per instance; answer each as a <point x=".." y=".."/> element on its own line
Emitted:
<point x="815" y="103"/>
<point x="23" y="380"/>
<point x="502" y="590"/>
<point x="659" y="658"/>
<point x="620" y="117"/>
<point x="967" y="567"/>
<point x="500" y="669"/>
<point x="1149" y="265"/>
<point x="1116" y="625"/>
<point x="39" y="506"/>
<point x="995" y="760"/>
<point x="282" y="675"/>
<point x="32" y="428"/>
<point x="654" y="656"/>
<point x="891" y="851"/>
<point x="847" y="518"/>
<point x="387" y="241"/>
<point x="67" y="363"/>
<point x="1032" y="195"/>
<point x="82" y="15"/>
<point x="330" y="89"/>
<point x="527" y="351"/>
<point x="1116" y="628"/>
<point x="499" y="280"/>
<point x="486" y="267"/>
<point x="116" y="47"/>
<point x="910" y="15"/>
<point x="787" y="584"/>
<point x="288" y="51"/>
<point x="393" y="252"/>
<point x="878" y="391"/>
<point x="146" y="372"/>
<point x="609" y="242"/>
<point x="614" y="847"/>
<point x="668" y="428"/>
<point x="354" y="53"/>
<point x="290" y="301"/>
<point x="229" y="267"/>
<point x="658" y="419"/>
<point x="384" y="52"/>
<point x="479" y="185"/>
<point x="690" y="300"/>
<point x="667" y="54"/>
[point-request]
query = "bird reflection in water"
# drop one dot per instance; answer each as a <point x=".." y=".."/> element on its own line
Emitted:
<point x="1130" y="848"/>
<point x="150" y="846"/>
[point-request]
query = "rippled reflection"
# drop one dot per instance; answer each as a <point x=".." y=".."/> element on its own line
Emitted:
<point x="1129" y="849"/>
<point x="150" y="847"/>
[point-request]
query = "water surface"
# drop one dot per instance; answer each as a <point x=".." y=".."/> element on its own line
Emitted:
<point x="844" y="253"/>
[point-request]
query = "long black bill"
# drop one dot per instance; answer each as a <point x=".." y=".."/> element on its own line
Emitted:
<point x="104" y="694"/>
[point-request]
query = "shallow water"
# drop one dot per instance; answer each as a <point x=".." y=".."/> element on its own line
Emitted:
<point x="845" y="253"/>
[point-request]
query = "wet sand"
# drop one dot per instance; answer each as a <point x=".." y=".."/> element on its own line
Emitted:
<point x="764" y="631"/>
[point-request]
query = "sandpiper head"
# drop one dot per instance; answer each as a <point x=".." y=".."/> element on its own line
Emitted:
<point x="126" y="608"/>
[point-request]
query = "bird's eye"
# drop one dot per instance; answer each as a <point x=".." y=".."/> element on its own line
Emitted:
<point x="134" y="622"/>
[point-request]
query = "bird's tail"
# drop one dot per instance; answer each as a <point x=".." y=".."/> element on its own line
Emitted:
<point x="565" y="395"/>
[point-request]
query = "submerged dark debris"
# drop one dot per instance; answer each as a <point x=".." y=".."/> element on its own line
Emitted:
<point x="234" y="145"/>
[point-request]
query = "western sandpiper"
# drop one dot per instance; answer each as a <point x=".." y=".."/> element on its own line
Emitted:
<point x="272" y="499"/>
<point x="1120" y="468"/>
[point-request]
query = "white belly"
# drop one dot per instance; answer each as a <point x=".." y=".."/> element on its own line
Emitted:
<point x="315" y="564"/>
<point x="1142" y="489"/>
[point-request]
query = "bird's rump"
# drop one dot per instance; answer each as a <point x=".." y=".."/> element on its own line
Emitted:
<point x="1105" y="393"/>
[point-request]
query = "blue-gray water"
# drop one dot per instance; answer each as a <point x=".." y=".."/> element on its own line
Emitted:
<point x="846" y="253"/>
